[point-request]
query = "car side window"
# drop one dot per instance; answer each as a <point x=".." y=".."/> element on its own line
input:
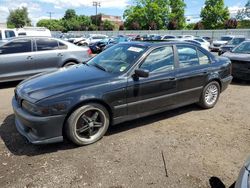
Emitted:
<point x="203" y="58"/>
<point x="9" y="34"/>
<point x="159" y="60"/>
<point x="17" y="46"/>
<point x="46" y="44"/>
<point x="188" y="56"/>
<point x="62" y="46"/>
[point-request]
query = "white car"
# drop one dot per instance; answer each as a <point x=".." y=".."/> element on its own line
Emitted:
<point x="203" y="42"/>
<point x="34" y="32"/>
<point x="92" y="38"/>
<point x="215" y="46"/>
<point x="185" y="37"/>
<point x="7" y="33"/>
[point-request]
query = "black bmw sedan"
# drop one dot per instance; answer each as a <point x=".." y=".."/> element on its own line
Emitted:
<point x="125" y="82"/>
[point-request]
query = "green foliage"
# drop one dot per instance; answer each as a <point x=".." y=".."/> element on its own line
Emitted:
<point x="190" y="26"/>
<point x="18" y="18"/>
<point x="108" y="25"/>
<point x="148" y="14"/>
<point x="177" y="13"/>
<point x="244" y="24"/>
<point x="214" y="14"/>
<point x="70" y="14"/>
<point x="53" y="25"/>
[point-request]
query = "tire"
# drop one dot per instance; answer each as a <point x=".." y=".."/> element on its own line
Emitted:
<point x="85" y="127"/>
<point x="68" y="64"/>
<point x="210" y="95"/>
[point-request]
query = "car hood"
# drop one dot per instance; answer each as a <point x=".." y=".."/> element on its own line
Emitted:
<point x="237" y="56"/>
<point x="61" y="81"/>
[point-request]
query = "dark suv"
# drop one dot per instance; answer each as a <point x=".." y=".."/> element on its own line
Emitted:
<point x="125" y="82"/>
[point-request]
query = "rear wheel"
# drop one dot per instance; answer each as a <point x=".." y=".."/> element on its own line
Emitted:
<point x="87" y="124"/>
<point x="210" y="95"/>
<point x="68" y="64"/>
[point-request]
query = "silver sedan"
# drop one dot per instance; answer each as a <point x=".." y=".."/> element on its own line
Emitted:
<point x="22" y="57"/>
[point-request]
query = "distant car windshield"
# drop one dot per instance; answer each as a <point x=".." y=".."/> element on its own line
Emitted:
<point x="236" y="41"/>
<point x="243" y="48"/>
<point x="118" y="58"/>
<point x="226" y="38"/>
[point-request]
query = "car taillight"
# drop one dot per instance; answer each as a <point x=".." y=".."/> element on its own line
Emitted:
<point x="89" y="51"/>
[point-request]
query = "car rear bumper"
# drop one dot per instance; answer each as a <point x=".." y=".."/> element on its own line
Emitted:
<point x="225" y="82"/>
<point x="38" y="130"/>
<point x="241" y="74"/>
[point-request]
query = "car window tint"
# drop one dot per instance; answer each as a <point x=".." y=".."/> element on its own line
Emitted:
<point x="17" y="46"/>
<point x="187" y="56"/>
<point x="46" y="44"/>
<point x="9" y="34"/>
<point x="203" y="58"/>
<point x="159" y="60"/>
<point x="1" y="35"/>
<point x="62" y="46"/>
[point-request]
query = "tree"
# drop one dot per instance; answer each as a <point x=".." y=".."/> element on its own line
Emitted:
<point x="172" y="25"/>
<point x="70" y="14"/>
<point x="108" y="25"/>
<point x="53" y="25"/>
<point x="214" y="14"/>
<point x="244" y="13"/>
<point x="177" y="8"/>
<point x="198" y="26"/>
<point x="147" y="12"/>
<point x="231" y="23"/>
<point x="18" y="18"/>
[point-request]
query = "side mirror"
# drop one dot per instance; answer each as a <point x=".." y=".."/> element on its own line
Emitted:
<point x="142" y="73"/>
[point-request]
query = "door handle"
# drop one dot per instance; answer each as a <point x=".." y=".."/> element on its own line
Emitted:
<point x="60" y="54"/>
<point x="29" y="57"/>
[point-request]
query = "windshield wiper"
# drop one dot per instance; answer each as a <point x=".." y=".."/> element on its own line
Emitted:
<point x="100" y="67"/>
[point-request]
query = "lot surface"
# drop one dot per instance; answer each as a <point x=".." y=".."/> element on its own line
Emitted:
<point x="197" y="145"/>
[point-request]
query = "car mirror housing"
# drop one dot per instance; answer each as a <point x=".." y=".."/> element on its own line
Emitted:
<point x="142" y="73"/>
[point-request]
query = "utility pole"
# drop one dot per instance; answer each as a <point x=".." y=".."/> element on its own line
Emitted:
<point x="50" y="14"/>
<point x="96" y="4"/>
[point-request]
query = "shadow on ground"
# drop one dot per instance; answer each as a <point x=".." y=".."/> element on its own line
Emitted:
<point x="18" y="145"/>
<point x="240" y="82"/>
<point x="215" y="182"/>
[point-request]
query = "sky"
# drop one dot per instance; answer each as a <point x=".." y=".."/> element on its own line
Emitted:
<point x="38" y="9"/>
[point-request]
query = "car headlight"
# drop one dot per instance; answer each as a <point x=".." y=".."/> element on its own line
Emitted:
<point x="55" y="109"/>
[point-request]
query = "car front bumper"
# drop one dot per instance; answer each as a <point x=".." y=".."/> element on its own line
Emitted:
<point x="38" y="130"/>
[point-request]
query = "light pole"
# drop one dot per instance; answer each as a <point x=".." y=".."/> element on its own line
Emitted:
<point x="96" y="4"/>
<point x="50" y="14"/>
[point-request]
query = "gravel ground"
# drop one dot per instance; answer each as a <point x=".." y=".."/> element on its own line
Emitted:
<point x="196" y="145"/>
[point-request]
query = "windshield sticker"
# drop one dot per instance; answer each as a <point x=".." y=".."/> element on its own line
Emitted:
<point x="122" y="68"/>
<point x="135" y="49"/>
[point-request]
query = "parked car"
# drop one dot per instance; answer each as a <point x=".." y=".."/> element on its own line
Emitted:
<point x="22" y="57"/>
<point x="243" y="180"/>
<point x="117" y="40"/>
<point x="34" y="31"/>
<point x="240" y="57"/>
<point x="185" y="37"/>
<point x="92" y="38"/>
<point x="215" y="46"/>
<point x="202" y="44"/>
<point x="100" y="45"/>
<point x="168" y="37"/>
<point x="125" y="82"/>
<point x="231" y="44"/>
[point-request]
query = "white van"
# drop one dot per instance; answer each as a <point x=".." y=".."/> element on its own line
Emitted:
<point x="34" y="31"/>
<point x="7" y="33"/>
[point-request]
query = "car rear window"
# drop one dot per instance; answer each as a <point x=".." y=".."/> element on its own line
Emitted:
<point x="46" y="44"/>
<point x="17" y="46"/>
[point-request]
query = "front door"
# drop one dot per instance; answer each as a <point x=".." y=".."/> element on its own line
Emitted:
<point x="157" y="91"/>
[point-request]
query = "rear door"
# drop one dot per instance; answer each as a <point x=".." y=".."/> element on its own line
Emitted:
<point x="193" y="70"/>
<point x="16" y="60"/>
<point x="157" y="91"/>
<point x="48" y="56"/>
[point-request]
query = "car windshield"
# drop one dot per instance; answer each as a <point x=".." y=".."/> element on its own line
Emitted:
<point x="226" y="38"/>
<point x="243" y="48"/>
<point x="236" y="41"/>
<point x="118" y="58"/>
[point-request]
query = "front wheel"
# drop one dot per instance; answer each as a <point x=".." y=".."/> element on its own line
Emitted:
<point x="87" y="124"/>
<point x="210" y="95"/>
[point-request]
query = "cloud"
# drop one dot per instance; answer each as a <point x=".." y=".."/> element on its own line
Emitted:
<point x="87" y="3"/>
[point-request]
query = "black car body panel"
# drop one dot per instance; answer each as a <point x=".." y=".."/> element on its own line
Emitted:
<point x="125" y="96"/>
<point x="240" y="65"/>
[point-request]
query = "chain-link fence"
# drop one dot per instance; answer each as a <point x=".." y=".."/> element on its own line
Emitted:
<point x="215" y="34"/>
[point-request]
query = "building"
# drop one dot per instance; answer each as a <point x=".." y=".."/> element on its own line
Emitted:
<point x="117" y="20"/>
